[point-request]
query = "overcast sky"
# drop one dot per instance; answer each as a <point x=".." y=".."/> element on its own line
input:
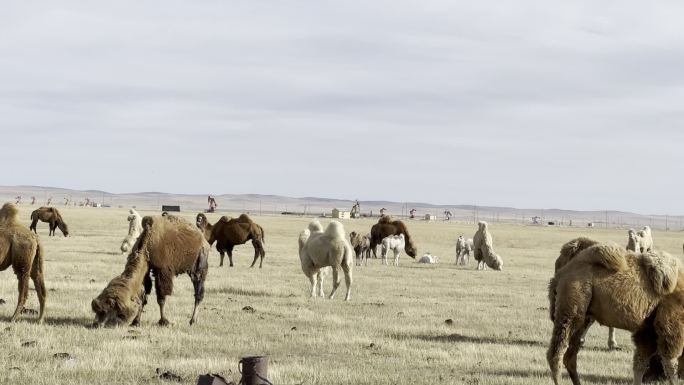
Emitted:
<point x="530" y="104"/>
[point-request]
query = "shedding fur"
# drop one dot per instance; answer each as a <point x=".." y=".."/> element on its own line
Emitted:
<point x="171" y="246"/>
<point x="483" y="249"/>
<point x="21" y="249"/>
<point x="319" y="249"/>
<point x="608" y="284"/>
<point x="124" y="293"/>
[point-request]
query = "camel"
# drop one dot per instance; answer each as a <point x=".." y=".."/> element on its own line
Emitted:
<point x="230" y="232"/>
<point x="125" y="293"/>
<point x="134" y="230"/>
<point x="21" y="249"/>
<point x="171" y="246"/>
<point x="570" y="251"/>
<point x="361" y="246"/>
<point x="645" y="239"/>
<point x="483" y="249"/>
<point x="386" y="227"/>
<point x="617" y="288"/>
<point x="632" y="241"/>
<point x="396" y="243"/>
<point x="464" y="247"/>
<point x="50" y="215"/>
<point x="319" y="249"/>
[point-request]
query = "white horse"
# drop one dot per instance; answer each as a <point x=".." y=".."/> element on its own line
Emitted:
<point x="396" y="243"/>
<point x="464" y="247"/>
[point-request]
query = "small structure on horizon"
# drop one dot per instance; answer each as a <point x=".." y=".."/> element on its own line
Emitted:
<point x="430" y="217"/>
<point x="341" y="214"/>
<point x="168" y="208"/>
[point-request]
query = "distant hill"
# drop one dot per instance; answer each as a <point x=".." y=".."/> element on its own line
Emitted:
<point x="274" y="204"/>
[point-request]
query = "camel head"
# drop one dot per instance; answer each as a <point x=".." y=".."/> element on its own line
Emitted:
<point x="201" y="221"/>
<point x="410" y="249"/>
<point x="111" y="311"/>
<point x="497" y="262"/>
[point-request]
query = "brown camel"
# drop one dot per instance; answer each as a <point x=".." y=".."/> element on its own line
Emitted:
<point x="568" y="252"/>
<point x="21" y="249"/>
<point x="50" y="215"/>
<point x="386" y="227"/>
<point x="125" y="294"/>
<point x="230" y="232"/>
<point x="617" y="288"/>
<point x="361" y="246"/>
<point x="171" y="246"/>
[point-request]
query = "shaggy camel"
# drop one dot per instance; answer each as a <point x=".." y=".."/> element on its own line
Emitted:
<point x="171" y="246"/>
<point x="21" y="249"/>
<point x="632" y="241"/>
<point x="396" y="243"/>
<point x="464" y="247"/>
<point x="617" y="288"/>
<point x="645" y="239"/>
<point x="230" y="232"/>
<point x="125" y="293"/>
<point x="570" y="251"/>
<point x="50" y="215"/>
<point x="134" y="230"/>
<point x="361" y="246"/>
<point x="318" y="249"/>
<point x="484" y="250"/>
<point x="386" y="227"/>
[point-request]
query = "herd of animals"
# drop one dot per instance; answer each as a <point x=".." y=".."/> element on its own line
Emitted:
<point x="634" y="288"/>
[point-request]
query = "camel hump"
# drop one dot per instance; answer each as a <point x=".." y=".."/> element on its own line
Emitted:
<point x="225" y="219"/>
<point x="315" y="226"/>
<point x="662" y="270"/>
<point x="9" y="212"/>
<point x="572" y="248"/>
<point x="335" y="230"/>
<point x="245" y="218"/>
<point x="611" y="257"/>
<point x="385" y="219"/>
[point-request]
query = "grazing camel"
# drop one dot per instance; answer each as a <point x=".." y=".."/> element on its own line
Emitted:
<point x="386" y="227"/>
<point x="21" y="249"/>
<point x="361" y="246"/>
<point x="230" y="232"/>
<point x="617" y="288"/>
<point x="319" y="249"/>
<point x="171" y="246"/>
<point x="483" y="249"/>
<point x="50" y="215"/>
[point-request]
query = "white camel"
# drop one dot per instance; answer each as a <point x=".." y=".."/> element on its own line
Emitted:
<point x="396" y="243"/>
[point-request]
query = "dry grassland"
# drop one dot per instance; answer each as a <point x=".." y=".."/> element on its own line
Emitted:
<point x="392" y="332"/>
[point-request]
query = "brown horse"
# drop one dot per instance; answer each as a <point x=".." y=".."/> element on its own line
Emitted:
<point x="386" y="227"/>
<point x="50" y="215"/>
<point x="20" y="249"/>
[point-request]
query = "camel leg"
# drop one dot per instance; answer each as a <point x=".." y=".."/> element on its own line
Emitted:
<point x="163" y="285"/>
<point x="560" y="339"/>
<point x="570" y="356"/>
<point x="262" y="251"/>
<point x="319" y="278"/>
<point x="347" y="280"/>
<point x="223" y="254"/>
<point x="670" y="368"/>
<point x="23" y="293"/>
<point x="313" y="279"/>
<point x="336" y="281"/>
<point x="33" y="226"/>
<point x="39" y="283"/>
<point x="396" y="258"/>
<point x="230" y="256"/>
<point x="612" y="342"/>
<point x="640" y="364"/>
<point x="198" y="284"/>
<point x="258" y="250"/>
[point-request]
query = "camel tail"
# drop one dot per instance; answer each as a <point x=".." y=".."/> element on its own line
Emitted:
<point x="552" y="298"/>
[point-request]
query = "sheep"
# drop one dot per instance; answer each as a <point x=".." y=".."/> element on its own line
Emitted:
<point x="396" y="243"/>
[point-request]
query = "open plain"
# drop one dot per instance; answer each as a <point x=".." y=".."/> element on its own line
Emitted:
<point x="392" y="332"/>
